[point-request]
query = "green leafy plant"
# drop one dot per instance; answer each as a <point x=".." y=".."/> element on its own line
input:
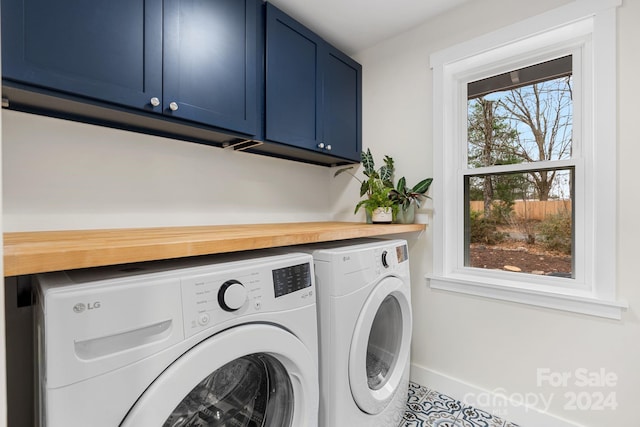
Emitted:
<point x="377" y="185"/>
<point x="378" y="198"/>
<point x="404" y="195"/>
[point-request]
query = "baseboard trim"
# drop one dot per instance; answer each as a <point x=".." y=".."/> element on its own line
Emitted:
<point x="489" y="401"/>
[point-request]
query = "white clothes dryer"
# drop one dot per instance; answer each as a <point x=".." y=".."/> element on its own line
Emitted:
<point x="365" y="325"/>
<point x="211" y="341"/>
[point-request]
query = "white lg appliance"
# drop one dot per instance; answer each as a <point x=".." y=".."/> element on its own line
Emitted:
<point x="222" y="341"/>
<point x="365" y="324"/>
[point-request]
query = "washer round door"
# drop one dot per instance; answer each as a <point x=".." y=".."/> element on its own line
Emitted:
<point x="380" y="346"/>
<point x="248" y="376"/>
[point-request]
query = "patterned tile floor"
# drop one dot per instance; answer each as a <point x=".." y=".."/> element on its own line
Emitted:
<point x="428" y="408"/>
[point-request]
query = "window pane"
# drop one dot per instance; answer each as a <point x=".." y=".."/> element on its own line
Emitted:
<point x="521" y="222"/>
<point x="522" y="116"/>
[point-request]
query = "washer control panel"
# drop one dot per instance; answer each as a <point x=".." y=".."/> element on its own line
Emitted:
<point x="291" y="279"/>
<point x="390" y="257"/>
<point x="210" y="299"/>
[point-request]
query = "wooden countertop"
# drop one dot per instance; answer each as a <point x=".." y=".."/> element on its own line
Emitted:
<point x="41" y="251"/>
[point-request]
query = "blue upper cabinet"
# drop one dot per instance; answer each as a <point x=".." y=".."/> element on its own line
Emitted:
<point x="190" y="59"/>
<point x="342" y="98"/>
<point x="211" y="71"/>
<point x="293" y="82"/>
<point x="211" y="62"/>
<point x="109" y="50"/>
<point x="313" y="91"/>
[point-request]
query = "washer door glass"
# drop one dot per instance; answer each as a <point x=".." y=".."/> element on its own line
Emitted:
<point x="384" y="343"/>
<point x="252" y="391"/>
<point x="380" y="346"/>
<point x="253" y="375"/>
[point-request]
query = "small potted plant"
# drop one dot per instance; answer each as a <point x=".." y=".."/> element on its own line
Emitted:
<point x="376" y="187"/>
<point x="379" y="205"/>
<point x="408" y="198"/>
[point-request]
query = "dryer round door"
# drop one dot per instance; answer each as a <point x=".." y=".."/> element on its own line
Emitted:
<point x="251" y="375"/>
<point x="380" y="346"/>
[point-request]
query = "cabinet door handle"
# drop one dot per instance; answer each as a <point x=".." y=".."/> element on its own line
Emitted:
<point x="155" y="101"/>
<point x="321" y="145"/>
<point x="328" y="147"/>
<point x="173" y="106"/>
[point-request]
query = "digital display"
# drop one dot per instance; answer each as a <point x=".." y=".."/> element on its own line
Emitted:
<point x="291" y="279"/>
<point x="402" y="253"/>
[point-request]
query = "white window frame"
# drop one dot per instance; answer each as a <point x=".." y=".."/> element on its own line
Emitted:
<point x="585" y="29"/>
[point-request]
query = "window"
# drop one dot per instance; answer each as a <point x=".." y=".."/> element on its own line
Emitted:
<point x="519" y="127"/>
<point x="524" y="161"/>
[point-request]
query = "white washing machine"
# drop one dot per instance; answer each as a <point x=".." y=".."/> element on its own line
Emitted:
<point x="217" y="341"/>
<point x="365" y="324"/>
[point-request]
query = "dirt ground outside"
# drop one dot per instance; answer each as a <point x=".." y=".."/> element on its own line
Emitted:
<point x="515" y="255"/>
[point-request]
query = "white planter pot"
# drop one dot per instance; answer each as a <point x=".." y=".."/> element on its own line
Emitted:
<point x="382" y="215"/>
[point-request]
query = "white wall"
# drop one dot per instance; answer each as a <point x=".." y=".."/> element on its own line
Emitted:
<point x="60" y="174"/>
<point x="489" y="344"/>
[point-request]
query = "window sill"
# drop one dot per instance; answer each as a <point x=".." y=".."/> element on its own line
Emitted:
<point x="559" y="301"/>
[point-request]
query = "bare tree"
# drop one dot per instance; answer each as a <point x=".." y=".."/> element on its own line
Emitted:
<point x="491" y="142"/>
<point x="545" y="108"/>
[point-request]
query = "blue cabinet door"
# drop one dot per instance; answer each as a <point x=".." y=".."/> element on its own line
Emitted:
<point x="313" y="91"/>
<point x="200" y="55"/>
<point x="109" y="50"/>
<point x="293" y="84"/>
<point x="342" y="109"/>
<point x="210" y="62"/>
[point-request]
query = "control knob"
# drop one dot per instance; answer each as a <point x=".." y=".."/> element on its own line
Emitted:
<point x="385" y="263"/>
<point x="232" y="295"/>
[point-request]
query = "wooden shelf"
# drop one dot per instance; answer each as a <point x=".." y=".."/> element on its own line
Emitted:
<point x="41" y="251"/>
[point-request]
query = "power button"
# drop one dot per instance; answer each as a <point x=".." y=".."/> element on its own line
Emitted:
<point x="203" y="319"/>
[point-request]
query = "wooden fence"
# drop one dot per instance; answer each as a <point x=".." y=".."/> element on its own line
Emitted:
<point x="532" y="209"/>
